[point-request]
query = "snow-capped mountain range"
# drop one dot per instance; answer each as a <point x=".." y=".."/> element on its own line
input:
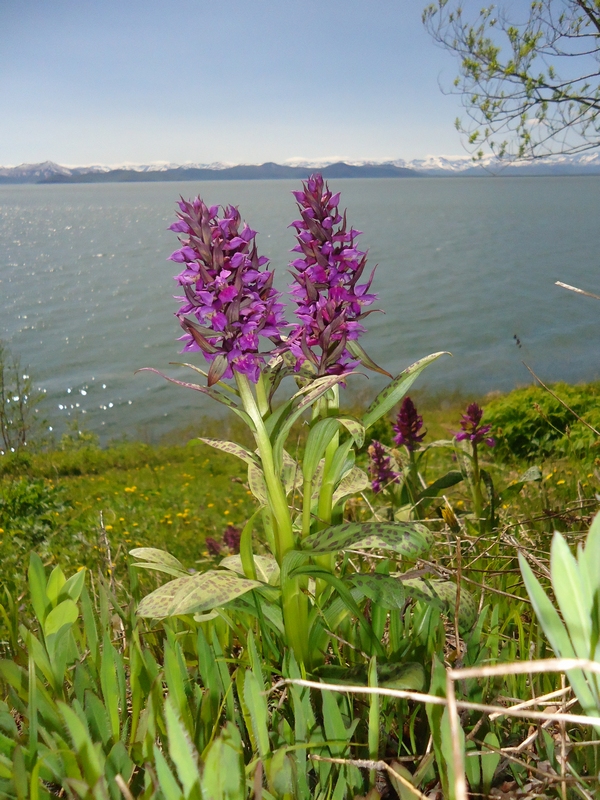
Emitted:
<point x="439" y="166"/>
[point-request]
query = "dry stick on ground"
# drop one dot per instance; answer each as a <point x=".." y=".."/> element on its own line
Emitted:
<point x="562" y="402"/>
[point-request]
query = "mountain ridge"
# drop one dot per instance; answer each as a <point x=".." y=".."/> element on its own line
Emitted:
<point x="430" y="166"/>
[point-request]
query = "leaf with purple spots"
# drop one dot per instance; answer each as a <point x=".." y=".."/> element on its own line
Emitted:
<point x="407" y="538"/>
<point x="194" y="594"/>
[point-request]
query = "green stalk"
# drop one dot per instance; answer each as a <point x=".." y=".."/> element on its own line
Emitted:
<point x="295" y="603"/>
<point x="476" y="488"/>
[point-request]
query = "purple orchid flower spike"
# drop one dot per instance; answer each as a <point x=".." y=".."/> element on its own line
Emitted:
<point x="229" y="302"/>
<point x="471" y="428"/>
<point x="330" y="299"/>
<point x="408" y="426"/>
<point x="380" y="467"/>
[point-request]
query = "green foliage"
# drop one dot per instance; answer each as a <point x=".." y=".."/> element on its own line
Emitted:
<point x="576" y="585"/>
<point x="530" y="423"/>
<point x="529" y="80"/>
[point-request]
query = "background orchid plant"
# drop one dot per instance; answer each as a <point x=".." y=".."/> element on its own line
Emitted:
<point x="289" y="584"/>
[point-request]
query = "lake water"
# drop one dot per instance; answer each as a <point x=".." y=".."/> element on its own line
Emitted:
<point x="465" y="265"/>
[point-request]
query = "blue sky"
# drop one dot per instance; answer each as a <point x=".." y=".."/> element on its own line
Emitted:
<point x="242" y="81"/>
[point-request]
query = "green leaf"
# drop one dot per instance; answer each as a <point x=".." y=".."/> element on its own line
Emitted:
<point x="56" y="581"/>
<point x="321" y="433"/>
<point x="232" y="448"/>
<point x="281" y="774"/>
<point x="353" y="482"/>
<point x="194" y="594"/>
<point x="356" y="350"/>
<point x="108" y="680"/>
<point x="267" y="568"/>
<point x="381" y="589"/>
<point x="256" y="482"/>
<point x="443" y="595"/>
<point x="256" y="703"/>
<point x="65" y="613"/>
<point x="176" y="573"/>
<point x="489" y="762"/>
<point x="569" y="591"/>
<point x="74" y="586"/>
<point x="37" y="587"/>
<point x="182" y="752"/>
<point x="395" y="391"/>
<point x="449" y="479"/>
<point x="169" y="786"/>
<point x="407" y="538"/>
<point x="223" y="777"/>
<point x="556" y="632"/>
<point x="87" y="754"/>
<point x="355" y="428"/>
<point x="155" y="556"/>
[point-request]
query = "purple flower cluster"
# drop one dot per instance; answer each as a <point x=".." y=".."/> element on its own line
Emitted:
<point x="231" y="299"/>
<point x="326" y="286"/>
<point x="380" y="467"/>
<point x="408" y="426"/>
<point x="471" y="428"/>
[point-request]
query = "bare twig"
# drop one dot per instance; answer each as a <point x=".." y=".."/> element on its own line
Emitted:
<point x="575" y="289"/>
<point x="380" y="766"/>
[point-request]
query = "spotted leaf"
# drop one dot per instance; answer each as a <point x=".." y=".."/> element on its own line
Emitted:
<point x="194" y="594"/>
<point x="407" y="538"/>
<point x="443" y="594"/>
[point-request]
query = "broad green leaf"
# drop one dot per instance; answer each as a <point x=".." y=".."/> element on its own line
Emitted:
<point x="194" y="594"/>
<point x="355" y="428"/>
<point x="155" y="556"/>
<point x="443" y="594"/>
<point x="223" y="777"/>
<point x="151" y="565"/>
<point x="472" y="766"/>
<point x="569" y="591"/>
<point x="449" y="479"/>
<point x="182" y="752"/>
<point x="74" y="585"/>
<point x="556" y="632"/>
<point x="353" y="482"/>
<point x="381" y="589"/>
<point x="489" y="761"/>
<point x="56" y="581"/>
<point x="395" y="391"/>
<point x="313" y="392"/>
<point x="281" y="774"/>
<point x="65" y="613"/>
<point x="321" y="433"/>
<point x="407" y="538"/>
<point x="232" y="448"/>
<point x="532" y="474"/>
<point x="267" y="568"/>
